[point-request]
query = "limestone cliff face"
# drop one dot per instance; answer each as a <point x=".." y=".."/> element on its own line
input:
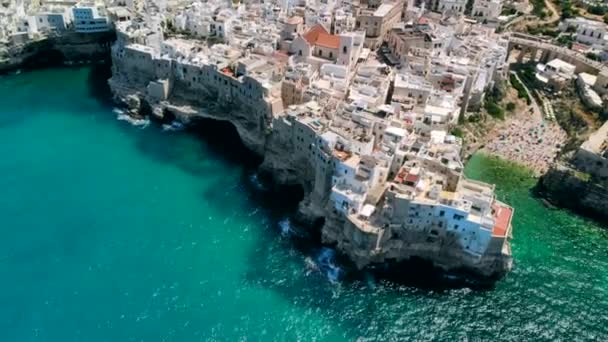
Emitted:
<point x="275" y="140"/>
<point x="568" y="188"/>
<point x="68" y="47"/>
<point x="369" y="249"/>
<point x="275" y="144"/>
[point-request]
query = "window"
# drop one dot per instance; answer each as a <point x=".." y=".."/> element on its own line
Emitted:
<point x="300" y="53"/>
<point x="344" y="49"/>
<point x="442" y="213"/>
<point x="331" y="55"/>
<point x="458" y="217"/>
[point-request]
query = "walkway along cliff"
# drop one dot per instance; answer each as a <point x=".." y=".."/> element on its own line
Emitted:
<point x="384" y="194"/>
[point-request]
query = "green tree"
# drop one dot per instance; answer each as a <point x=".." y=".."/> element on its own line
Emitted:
<point x="567" y="11"/>
<point x="494" y="109"/>
<point x="592" y="56"/>
<point x="457" y="131"/>
<point x="510" y="106"/>
<point x="597" y="10"/>
<point x="606" y="18"/>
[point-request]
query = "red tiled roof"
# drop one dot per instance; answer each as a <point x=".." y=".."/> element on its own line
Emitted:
<point x="318" y="35"/>
<point x="411" y="178"/>
<point x="502" y="217"/>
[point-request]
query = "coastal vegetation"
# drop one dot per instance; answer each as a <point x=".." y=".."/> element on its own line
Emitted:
<point x="538" y="8"/>
<point x="492" y="102"/>
<point x="519" y="87"/>
<point x="457" y="131"/>
<point x="598" y="10"/>
<point x="493" y="109"/>
<point x="567" y="10"/>
<point x="565" y="40"/>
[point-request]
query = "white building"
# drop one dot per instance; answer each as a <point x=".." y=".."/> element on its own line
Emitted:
<point x="556" y="73"/>
<point x="451" y="6"/>
<point x="486" y="9"/>
<point x="588" y="32"/>
<point x="49" y="21"/>
<point x="88" y="20"/>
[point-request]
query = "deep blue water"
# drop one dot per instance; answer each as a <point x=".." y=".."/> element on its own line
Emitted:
<point x="112" y="232"/>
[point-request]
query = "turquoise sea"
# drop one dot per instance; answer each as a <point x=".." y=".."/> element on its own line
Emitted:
<point x="113" y="232"/>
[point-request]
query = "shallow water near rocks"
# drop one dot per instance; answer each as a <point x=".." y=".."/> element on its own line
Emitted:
<point x="115" y="233"/>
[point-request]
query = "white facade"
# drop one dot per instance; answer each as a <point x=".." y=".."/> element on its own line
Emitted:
<point x="46" y="22"/>
<point x="486" y="9"/>
<point x="453" y="6"/>
<point x="88" y="20"/>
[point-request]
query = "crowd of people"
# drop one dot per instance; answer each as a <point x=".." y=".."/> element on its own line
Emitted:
<point x="528" y="140"/>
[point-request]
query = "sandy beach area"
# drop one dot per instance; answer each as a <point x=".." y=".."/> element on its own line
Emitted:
<point x="527" y="139"/>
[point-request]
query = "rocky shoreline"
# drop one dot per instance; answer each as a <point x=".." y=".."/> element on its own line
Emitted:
<point x="565" y="187"/>
<point x="187" y="106"/>
<point x="277" y="165"/>
<point x="70" y="48"/>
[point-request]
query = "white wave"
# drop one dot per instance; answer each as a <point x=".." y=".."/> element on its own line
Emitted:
<point x="285" y="226"/>
<point x="141" y="123"/>
<point x="173" y="126"/>
<point x="117" y="111"/>
<point x="311" y="265"/>
<point x="326" y="262"/>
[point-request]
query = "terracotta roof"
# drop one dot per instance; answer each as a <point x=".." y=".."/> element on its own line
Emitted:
<point x="502" y="217"/>
<point x="411" y="178"/>
<point x="318" y="35"/>
<point x="423" y="21"/>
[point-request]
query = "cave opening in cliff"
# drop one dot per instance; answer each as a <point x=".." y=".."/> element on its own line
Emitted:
<point x="222" y="138"/>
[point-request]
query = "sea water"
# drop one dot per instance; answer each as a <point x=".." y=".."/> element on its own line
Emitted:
<point x="111" y="232"/>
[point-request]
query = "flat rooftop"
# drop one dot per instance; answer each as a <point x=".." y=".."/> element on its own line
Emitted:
<point x="384" y="9"/>
<point x="502" y="218"/>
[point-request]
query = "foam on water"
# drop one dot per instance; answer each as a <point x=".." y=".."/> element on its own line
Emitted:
<point x="285" y="226"/>
<point x="173" y="126"/>
<point x="327" y="263"/>
<point x="141" y="123"/>
<point x="105" y="239"/>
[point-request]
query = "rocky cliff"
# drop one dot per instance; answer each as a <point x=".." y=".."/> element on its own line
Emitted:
<point x="187" y="105"/>
<point x="386" y="248"/>
<point x="69" y="47"/>
<point x="569" y="188"/>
